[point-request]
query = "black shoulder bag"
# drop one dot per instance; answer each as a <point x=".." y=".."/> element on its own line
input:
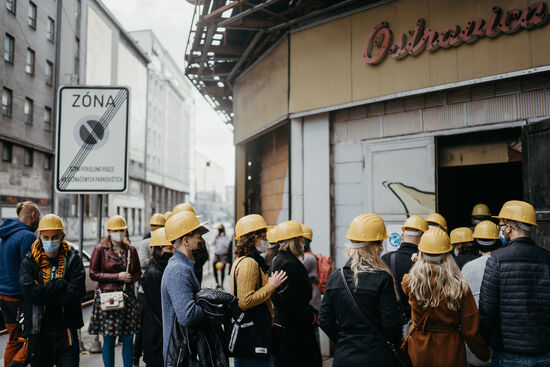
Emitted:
<point x="401" y="357"/>
<point x="248" y="333"/>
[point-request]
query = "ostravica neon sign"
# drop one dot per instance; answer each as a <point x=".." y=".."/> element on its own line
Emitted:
<point x="379" y="42"/>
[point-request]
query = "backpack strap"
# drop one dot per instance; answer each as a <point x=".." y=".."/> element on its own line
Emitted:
<point x="235" y="275"/>
<point x="393" y="267"/>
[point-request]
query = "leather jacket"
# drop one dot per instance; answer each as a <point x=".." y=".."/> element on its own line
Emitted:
<point x="105" y="266"/>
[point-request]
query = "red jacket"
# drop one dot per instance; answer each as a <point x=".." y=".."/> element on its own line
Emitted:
<point x="105" y="266"/>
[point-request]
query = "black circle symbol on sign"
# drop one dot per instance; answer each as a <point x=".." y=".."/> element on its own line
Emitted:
<point x="91" y="132"/>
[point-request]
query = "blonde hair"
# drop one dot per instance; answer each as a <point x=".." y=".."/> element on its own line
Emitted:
<point x="367" y="260"/>
<point x="292" y="245"/>
<point x="431" y="282"/>
<point x="26" y="208"/>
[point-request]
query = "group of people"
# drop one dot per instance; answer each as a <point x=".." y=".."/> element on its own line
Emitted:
<point x="477" y="297"/>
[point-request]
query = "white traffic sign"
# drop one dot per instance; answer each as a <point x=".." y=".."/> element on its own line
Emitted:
<point x="92" y="139"/>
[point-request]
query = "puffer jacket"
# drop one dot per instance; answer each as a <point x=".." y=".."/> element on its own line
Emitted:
<point x="514" y="303"/>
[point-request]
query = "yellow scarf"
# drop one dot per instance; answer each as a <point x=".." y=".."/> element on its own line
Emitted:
<point x="44" y="264"/>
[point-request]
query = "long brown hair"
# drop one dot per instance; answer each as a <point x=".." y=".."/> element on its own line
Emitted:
<point x="293" y="245"/>
<point x="246" y="245"/>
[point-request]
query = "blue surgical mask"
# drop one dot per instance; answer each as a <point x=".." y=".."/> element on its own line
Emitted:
<point x="50" y="246"/>
<point x="502" y="238"/>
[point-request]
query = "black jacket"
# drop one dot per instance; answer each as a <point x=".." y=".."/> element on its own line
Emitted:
<point x="466" y="256"/>
<point x="356" y="343"/>
<point x="514" y="304"/>
<point x="152" y="314"/>
<point x="294" y="313"/>
<point x="65" y="294"/>
<point x="403" y="265"/>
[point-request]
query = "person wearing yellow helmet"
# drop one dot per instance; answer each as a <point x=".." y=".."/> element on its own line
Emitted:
<point x="115" y="266"/>
<point x="179" y="284"/>
<point x="515" y="291"/>
<point x="291" y="300"/>
<point x="252" y="286"/>
<point x="400" y="262"/>
<point x="443" y="309"/>
<point x="152" y="305"/>
<point x="464" y="249"/>
<point x="53" y="282"/>
<point x="360" y="295"/>
<point x="486" y="240"/>
<point x="480" y="212"/>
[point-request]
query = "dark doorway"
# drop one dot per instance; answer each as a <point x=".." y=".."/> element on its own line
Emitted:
<point x="483" y="167"/>
<point x="460" y="188"/>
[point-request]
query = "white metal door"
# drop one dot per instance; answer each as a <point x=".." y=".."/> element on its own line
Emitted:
<point x="399" y="181"/>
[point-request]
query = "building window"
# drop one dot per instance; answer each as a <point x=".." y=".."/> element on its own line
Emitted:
<point x="47" y="162"/>
<point x="48" y="73"/>
<point x="27" y="159"/>
<point x="7" y="152"/>
<point x="32" y="15"/>
<point x="51" y="29"/>
<point x="9" y="47"/>
<point x="10" y="5"/>
<point x="7" y="101"/>
<point x="28" y="110"/>
<point x="47" y="118"/>
<point x="29" y="66"/>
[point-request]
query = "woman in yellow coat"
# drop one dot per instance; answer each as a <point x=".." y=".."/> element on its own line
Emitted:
<point x="443" y="309"/>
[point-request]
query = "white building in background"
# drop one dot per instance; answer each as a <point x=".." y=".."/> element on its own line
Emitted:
<point x="209" y="187"/>
<point x="96" y="50"/>
<point x="170" y="112"/>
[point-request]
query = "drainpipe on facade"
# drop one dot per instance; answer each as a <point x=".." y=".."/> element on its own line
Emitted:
<point x="56" y="87"/>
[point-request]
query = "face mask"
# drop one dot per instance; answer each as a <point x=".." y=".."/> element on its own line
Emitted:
<point x="456" y="252"/>
<point x="165" y="256"/>
<point x="50" y="246"/>
<point x="200" y="254"/>
<point x="303" y="246"/>
<point x="117" y="236"/>
<point x="264" y="245"/>
<point x="502" y="238"/>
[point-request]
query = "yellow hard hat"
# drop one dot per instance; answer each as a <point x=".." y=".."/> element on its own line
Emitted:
<point x="461" y="235"/>
<point x="435" y="241"/>
<point x="481" y="210"/>
<point x="219" y="265"/>
<point x="486" y="230"/>
<point x="290" y="229"/>
<point x="116" y="223"/>
<point x="273" y="235"/>
<point x="248" y="224"/>
<point x="518" y="211"/>
<point x="308" y="232"/>
<point x="182" y="223"/>
<point x="50" y="222"/>
<point x="415" y="222"/>
<point x="183" y="207"/>
<point x="167" y="214"/>
<point x="437" y="219"/>
<point x="157" y="220"/>
<point x="158" y="238"/>
<point x="367" y="227"/>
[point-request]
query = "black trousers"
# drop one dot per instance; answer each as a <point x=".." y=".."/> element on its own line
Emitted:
<point x="56" y="347"/>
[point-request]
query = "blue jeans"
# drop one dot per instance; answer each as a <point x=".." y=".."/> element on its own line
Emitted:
<point x="515" y="360"/>
<point x="108" y="351"/>
<point x="253" y="362"/>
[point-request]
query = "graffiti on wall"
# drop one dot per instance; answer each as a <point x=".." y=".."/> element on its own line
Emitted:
<point x="414" y="201"/>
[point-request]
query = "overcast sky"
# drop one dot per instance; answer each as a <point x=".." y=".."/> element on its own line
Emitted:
<point x="170" y="20"/>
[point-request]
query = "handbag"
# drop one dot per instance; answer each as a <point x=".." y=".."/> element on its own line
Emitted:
<point x="401" y="357"/>
<point x="246" y="331"/>
<point x="111" y="301"/>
